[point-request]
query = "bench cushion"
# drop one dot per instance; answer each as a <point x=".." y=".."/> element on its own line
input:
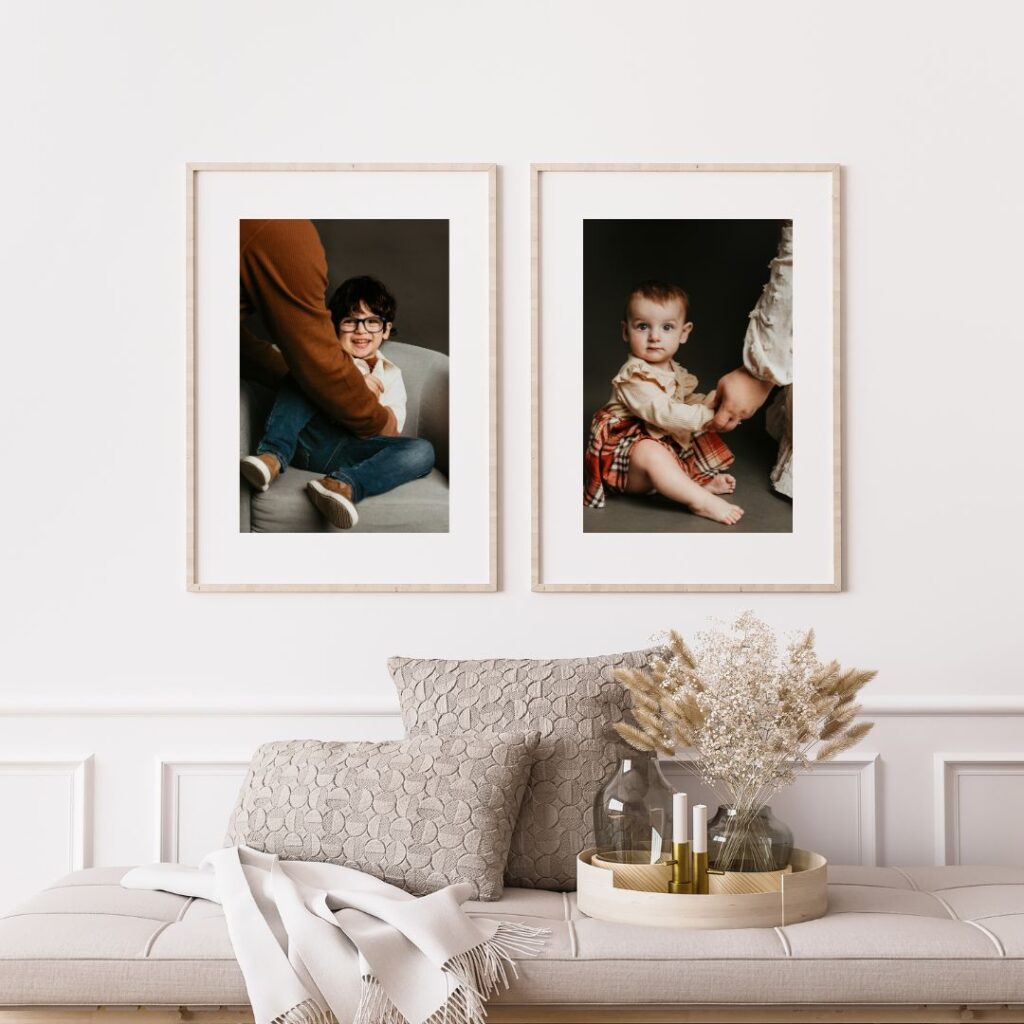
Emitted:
<point x="914" y="935"/>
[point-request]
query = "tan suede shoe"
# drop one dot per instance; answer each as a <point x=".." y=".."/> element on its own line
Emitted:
<point x="333" y="500"/>
<point x="260" y="470"/>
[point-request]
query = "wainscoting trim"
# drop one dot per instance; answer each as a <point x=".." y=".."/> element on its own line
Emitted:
<point x="948" y="770"/>
<point x="860" y="765"/>
<point x="380" y="706"/>
<point x="79" y="772"/>
<point x="288" y="707"/>
<point x="169" y="774"/>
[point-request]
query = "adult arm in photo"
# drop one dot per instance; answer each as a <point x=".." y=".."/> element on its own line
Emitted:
<point x="283" y="276"/>
<point x="767" y="345"/>
<point x="261" y="361"/>
<point x="740" y="395"/>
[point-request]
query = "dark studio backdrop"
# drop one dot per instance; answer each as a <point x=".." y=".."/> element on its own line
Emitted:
<point x="410" y="257"/>
<point x="723" y="266"/>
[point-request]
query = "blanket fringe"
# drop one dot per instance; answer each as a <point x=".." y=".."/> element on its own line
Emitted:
<point x="478" y="973"/>
<point x="484" y="969"/>
<point x="307" y="1012"/>
<point x="375" y="1007"/>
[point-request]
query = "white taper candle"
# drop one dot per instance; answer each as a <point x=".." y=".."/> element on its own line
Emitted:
<point x="700" y="828"/>
<point x="679" y="816"/>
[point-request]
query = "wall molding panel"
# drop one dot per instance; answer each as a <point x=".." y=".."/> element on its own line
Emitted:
<point x="860" y="769"/>
<point x="849" y="782"/>
<point x="182" y="813"/>
<point x="973" y="793"/>
<point x="77" y="776"/>
<point x="52" y="796"/>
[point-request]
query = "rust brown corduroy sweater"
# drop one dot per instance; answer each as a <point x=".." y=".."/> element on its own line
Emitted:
<point x="283" y="274"/>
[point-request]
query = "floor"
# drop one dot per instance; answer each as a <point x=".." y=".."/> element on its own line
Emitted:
<point x="764" y="510"/>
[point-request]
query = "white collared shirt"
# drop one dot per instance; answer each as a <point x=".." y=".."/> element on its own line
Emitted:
<point x="394" y="395"/>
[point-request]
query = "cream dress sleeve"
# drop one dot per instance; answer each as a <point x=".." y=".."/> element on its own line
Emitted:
<point x="768" y="354"/>
<point x="768" y="345"/>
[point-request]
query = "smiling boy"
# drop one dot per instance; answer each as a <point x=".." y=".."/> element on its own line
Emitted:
<point x="649" y="436"/>
<point x="298" y="434"/>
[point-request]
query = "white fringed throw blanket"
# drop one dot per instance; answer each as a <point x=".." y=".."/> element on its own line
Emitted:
<point x="323" y="944"/>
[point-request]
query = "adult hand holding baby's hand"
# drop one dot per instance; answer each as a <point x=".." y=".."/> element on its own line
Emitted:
<point x="375" y="384"/>
<point x="740" y="395"/>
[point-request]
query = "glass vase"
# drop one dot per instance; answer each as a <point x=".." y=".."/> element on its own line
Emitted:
<point x="633" y="813"/>
<point x="748" y="840"/>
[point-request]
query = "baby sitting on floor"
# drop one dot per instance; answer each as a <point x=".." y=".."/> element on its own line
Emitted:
<point x="650" y="436"/>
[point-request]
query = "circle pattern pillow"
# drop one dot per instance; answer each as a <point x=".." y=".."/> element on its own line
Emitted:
<point x="420" y="813"/>
<point x="571" y="702"/>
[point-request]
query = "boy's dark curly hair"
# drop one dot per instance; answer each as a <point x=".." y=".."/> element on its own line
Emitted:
<point x="368" y="290"/>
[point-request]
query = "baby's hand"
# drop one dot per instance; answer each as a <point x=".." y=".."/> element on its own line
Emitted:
<point x="710" y="399"/>
<point x="375" y="384"/>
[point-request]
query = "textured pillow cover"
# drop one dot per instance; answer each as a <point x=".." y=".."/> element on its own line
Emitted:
<point x="572" y="702"/>
<point x="420" y="813"/>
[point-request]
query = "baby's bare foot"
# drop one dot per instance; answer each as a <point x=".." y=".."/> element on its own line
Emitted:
<point x="713" y="507"/>
<point x="721" y="484"/>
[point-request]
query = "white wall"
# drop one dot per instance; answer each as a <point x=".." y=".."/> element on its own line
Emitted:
<point x="106" y="101"/>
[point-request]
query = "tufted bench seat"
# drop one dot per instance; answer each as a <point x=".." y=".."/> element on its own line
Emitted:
<point x="923" y="944"/>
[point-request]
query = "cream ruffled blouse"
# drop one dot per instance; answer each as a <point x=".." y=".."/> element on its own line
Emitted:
<point x="665" y="399"/>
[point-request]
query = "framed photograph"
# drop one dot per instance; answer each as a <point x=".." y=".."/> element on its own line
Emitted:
<point x="686" y="389"/>
<point x="341" y="377"/>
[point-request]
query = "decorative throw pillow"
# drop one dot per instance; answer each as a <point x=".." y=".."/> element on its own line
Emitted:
<point x="571" y="702"/>
<point x="420" y="813"/>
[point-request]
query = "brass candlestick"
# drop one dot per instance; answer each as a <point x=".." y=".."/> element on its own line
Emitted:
<point x="681" y="869"/>
<point x="700" y="873"/>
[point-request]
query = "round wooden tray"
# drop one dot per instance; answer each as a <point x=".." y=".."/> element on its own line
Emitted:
<point x="803" y="896"/>
<point x="655" y="878"/>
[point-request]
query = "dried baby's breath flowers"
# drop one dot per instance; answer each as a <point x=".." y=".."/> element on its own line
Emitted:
<point x="746" y="716"/>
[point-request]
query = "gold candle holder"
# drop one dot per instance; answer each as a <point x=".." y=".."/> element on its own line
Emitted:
<point x="700" y="873"/>
<point x="682" y="878"/>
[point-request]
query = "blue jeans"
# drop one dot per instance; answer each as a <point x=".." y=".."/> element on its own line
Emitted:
<point x="299" y="435"/>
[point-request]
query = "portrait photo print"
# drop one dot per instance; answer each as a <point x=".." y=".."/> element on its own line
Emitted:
<point x="348" y="431"/>
<point x="686" y="375"/>
<point x="329" y="447"/>
<point x="670" y="307"/>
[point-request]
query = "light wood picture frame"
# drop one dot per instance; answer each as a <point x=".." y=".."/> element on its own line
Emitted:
<point x="752" y="246"/>
<point x="285" y="546"/>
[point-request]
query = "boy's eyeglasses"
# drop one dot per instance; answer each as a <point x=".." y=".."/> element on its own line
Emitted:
<point x="350" y="325"/>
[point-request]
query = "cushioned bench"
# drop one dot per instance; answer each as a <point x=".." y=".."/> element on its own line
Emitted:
<point x="921" y="944"/>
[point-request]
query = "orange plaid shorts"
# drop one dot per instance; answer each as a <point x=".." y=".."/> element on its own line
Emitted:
<point x="606" y="462"/>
